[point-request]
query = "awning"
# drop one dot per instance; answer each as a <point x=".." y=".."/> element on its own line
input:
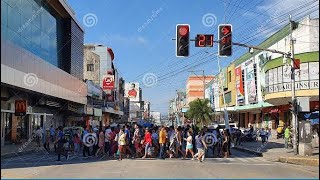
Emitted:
<point x="253" y="106"/>
<point x="112" y="111"/>
<point x="229" y="109"/>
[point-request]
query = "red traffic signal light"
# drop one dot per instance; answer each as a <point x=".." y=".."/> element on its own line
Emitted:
<point x="225" y="39"/>
<point x="182" y="40"/>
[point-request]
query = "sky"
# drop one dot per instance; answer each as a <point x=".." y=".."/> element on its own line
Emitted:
<point x="140" y="33"/>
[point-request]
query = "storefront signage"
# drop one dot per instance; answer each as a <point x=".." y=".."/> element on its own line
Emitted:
<point x="20" y="107"/>
<point x="279" y="79"/>
<point x="239" y="86"/>
<point x="89" y="110"/>
<point x="93" y="90"/>
<point x="97" y="112"/>
<point x="108" y="82"/>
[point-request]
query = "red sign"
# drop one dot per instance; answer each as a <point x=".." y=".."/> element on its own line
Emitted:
<point x="20" y="107"/>
<point x="108" y="82"/>
<point x="296" y="64"/>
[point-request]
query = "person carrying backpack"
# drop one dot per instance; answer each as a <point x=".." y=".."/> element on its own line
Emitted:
<point x="61" y="141"/>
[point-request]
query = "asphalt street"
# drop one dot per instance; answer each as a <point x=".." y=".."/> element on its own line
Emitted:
<point x="240" y="165"/>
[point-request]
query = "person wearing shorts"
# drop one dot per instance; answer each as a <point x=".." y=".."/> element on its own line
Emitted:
<point x="189" y="146"/>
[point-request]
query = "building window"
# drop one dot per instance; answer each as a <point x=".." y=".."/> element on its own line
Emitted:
<point x="90" y="67"/>
<point x="229" y="76"/>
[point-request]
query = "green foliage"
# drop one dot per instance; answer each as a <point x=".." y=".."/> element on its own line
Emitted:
<point x="200" y="111"/>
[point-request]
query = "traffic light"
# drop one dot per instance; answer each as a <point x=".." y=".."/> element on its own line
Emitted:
<point x="182" y="40"/>
<point x="225" y="40"/>
<point x="294" y="106"/>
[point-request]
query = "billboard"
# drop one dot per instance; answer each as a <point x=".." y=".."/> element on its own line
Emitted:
<point x="239" y="86"/>
<point x="108" y="82"/>
<point x="132" y="91"/>
<point x="251" y="84"/>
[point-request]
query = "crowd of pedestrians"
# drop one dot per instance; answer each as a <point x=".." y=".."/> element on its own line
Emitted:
<point x="139" y="142"/>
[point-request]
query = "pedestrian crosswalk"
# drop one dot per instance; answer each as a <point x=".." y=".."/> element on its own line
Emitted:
<point x="44" y="158"/>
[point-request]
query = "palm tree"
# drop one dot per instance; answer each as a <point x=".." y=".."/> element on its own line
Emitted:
<point x="200" y="111"/>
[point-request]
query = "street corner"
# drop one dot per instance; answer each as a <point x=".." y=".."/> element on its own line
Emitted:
<point x="304" y="161"/>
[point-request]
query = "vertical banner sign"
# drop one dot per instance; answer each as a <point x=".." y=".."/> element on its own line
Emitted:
<point x="239" y="86"/>
<point x="20" y="108"/>
<point x="108" y="82"/>
<point x="251" y="85"/>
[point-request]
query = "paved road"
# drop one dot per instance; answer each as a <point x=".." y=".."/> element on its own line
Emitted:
<point x="240" y="165"/>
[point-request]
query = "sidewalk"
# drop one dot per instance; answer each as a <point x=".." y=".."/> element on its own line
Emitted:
<point x="11" y="150"/>
<point x="274" y="151"/>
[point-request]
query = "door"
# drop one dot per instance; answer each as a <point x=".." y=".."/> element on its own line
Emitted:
<point x="7" y="118"/>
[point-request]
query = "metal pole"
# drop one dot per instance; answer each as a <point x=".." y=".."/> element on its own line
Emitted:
<point x="226" y="117"/>
<point x="204" y="85"/>
<point x="293" y="92"/>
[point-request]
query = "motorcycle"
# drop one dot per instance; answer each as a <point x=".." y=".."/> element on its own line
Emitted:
<point x="280" y="132"/>
<point x="249" y="136"/>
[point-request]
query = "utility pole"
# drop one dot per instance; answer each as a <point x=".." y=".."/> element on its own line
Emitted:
<point x="204" y="85"/>
<point x="225" y="112"/>
<point x="293" y="92"/>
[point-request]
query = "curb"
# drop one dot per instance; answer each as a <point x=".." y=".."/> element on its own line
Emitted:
<point x="300" y="161"/>
<point x="14" y="154"/>
<point x="260" y="154"/>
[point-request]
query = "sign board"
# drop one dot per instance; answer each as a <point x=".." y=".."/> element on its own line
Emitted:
<point x="20" y="108"/>
<point x="108" y="82"/>
<point x="132" y="91"/>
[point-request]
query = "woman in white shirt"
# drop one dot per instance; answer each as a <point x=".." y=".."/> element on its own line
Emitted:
<point x="189" y="147"/>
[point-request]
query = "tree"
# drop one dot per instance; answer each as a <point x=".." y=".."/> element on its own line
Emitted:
<point x="200" y="111"/>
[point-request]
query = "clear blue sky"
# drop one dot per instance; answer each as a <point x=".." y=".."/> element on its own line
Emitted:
<point x="140" y="33"/>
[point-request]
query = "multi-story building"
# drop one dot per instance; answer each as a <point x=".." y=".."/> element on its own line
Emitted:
<point x="262" y="90"/>
<point x="98" y="65"/>
<point x="155" y="118"/>
<point x="195" y="87"/>
<point x="41" y="67"/>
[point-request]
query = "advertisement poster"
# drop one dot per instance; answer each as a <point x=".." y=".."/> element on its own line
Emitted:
<point x="108" y="83"/>
<point x="239" y="86"/>
<point x="132" y="91"/>
<point x="251" y="85"/>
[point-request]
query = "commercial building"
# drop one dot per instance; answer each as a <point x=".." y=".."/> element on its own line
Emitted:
<point x="195" y="87"/>
<point x="100" y="69"/>
<point x="258" y="85"/>
<point x="41" y="67"/>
